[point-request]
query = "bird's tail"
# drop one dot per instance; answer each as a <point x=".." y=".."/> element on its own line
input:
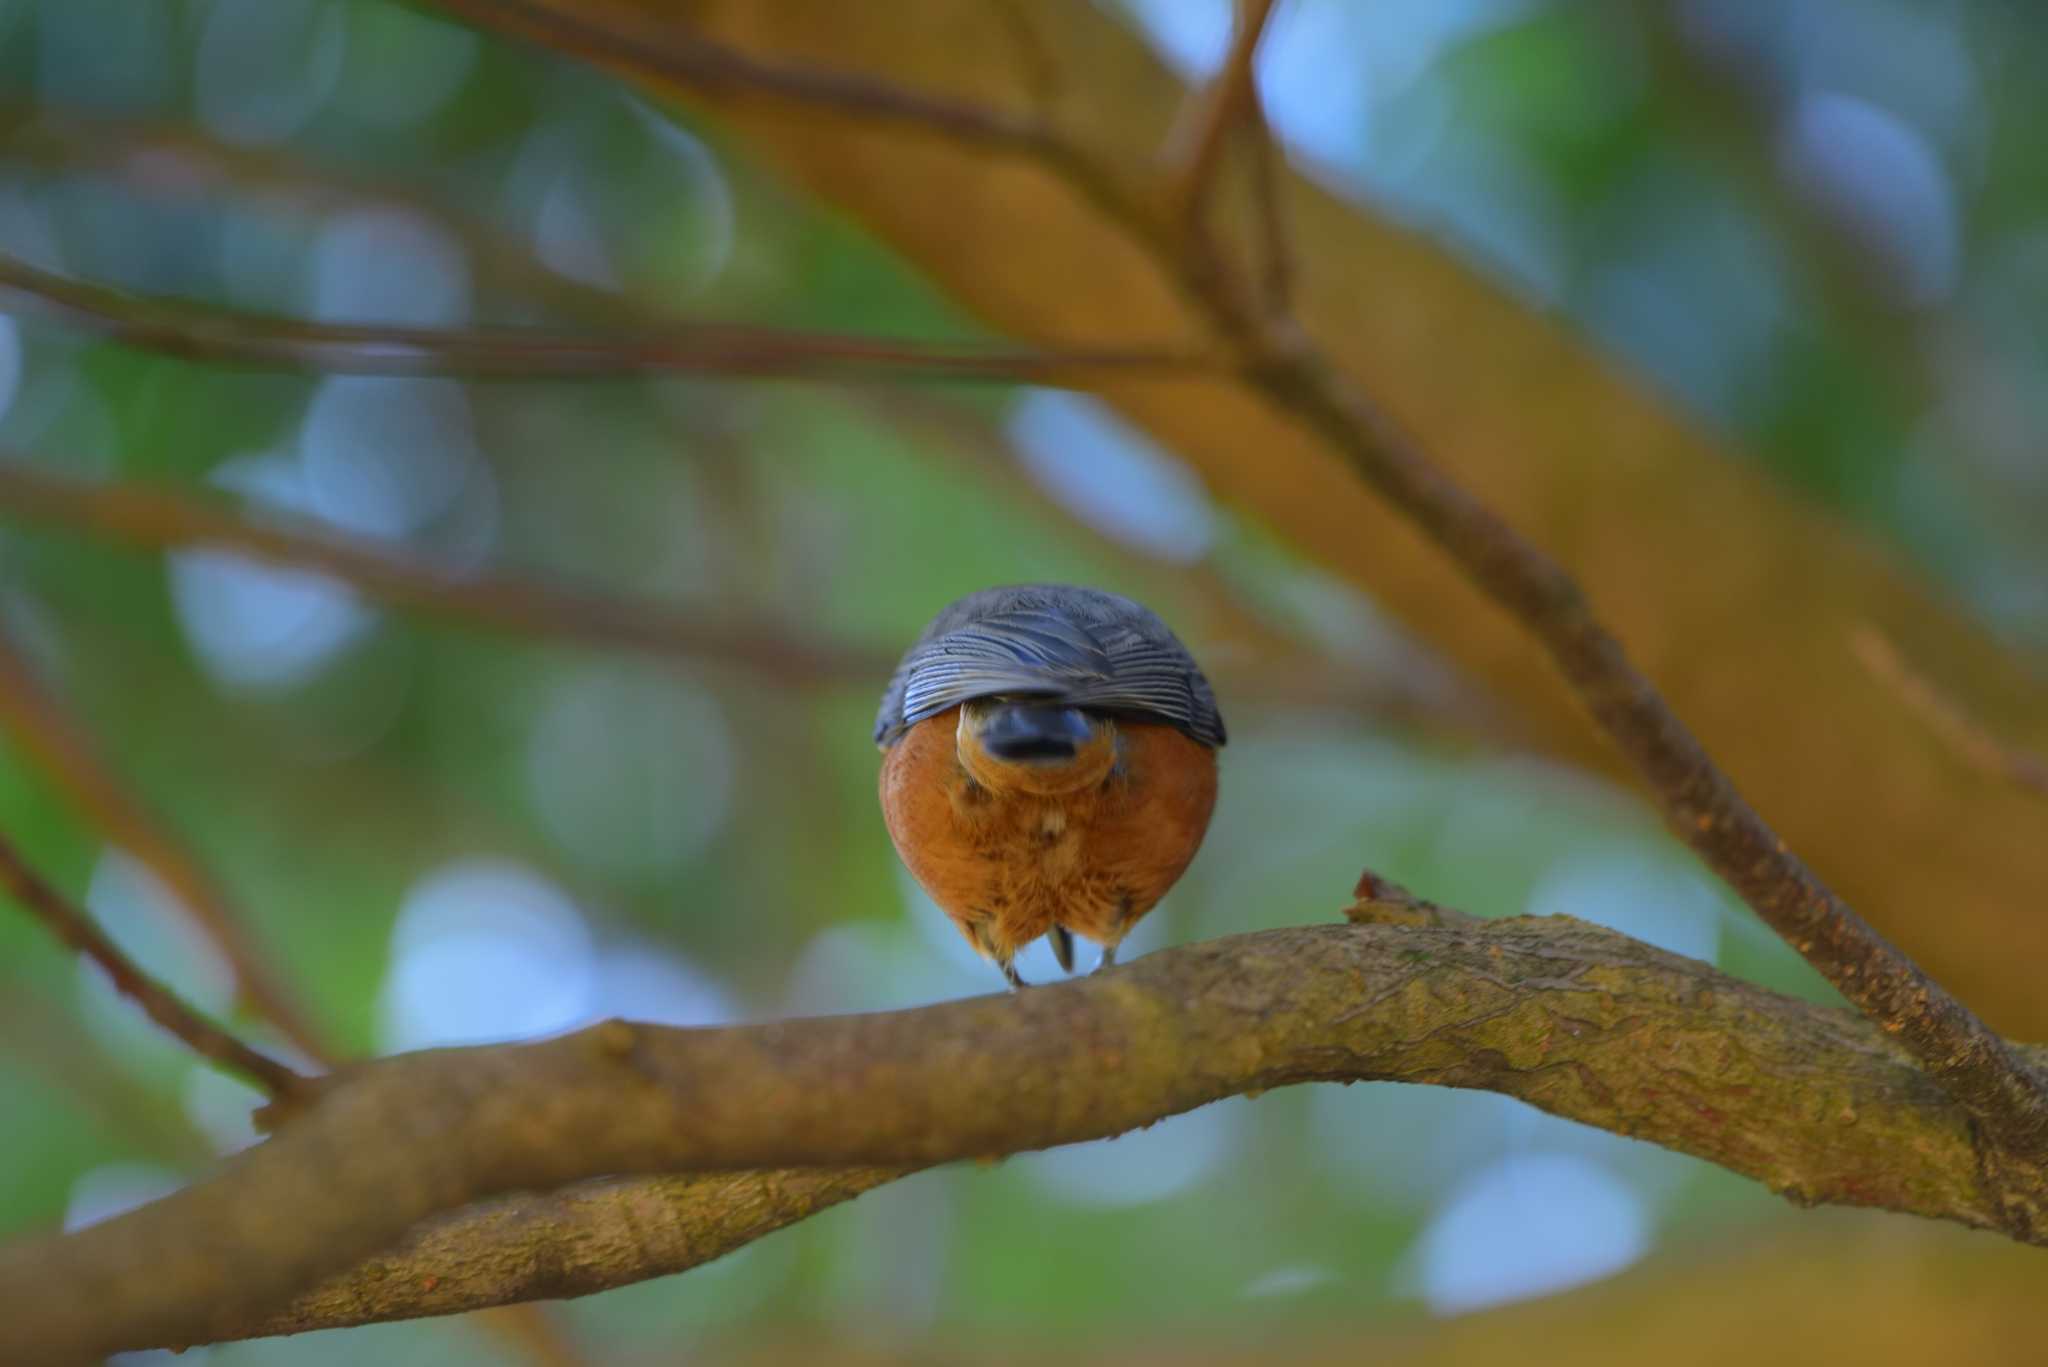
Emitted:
<point x="1062" y="941"/>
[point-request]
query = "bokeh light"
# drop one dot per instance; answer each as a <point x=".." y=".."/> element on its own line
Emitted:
<point x="485" y="949"/>
<point x="1527" y="1225"/>
<point x="257" y="626"/>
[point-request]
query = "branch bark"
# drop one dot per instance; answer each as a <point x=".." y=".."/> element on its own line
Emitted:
<point x="1813" y="1101"/>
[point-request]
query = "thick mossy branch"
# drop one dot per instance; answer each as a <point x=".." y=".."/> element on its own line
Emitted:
<point x="1578" y="1020"/>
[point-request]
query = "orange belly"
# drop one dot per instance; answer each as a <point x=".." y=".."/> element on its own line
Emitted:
<point x="1009" y="865"/>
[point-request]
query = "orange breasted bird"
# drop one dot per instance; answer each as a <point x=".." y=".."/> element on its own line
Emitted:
<point x="1049" y="766"/>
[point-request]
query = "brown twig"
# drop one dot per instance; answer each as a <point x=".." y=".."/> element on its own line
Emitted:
<point x="162" y="520"/>
<point x="38" y="725"/>
<point x="1815" y="1101"/>
<point x="1947" y="717"/>
<point x="70" y="924"/>
<point x="204" y="333"/>
<point x="1194" y="149"/>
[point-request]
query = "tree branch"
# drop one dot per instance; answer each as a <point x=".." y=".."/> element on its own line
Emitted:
<point x="1580" y="1021"/>
<point x="69" y="923"/>
<point x="162" y="520"/>
<point x="201" y="332"/>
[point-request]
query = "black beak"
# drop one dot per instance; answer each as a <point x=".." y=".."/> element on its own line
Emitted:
<point x="1024" y="731"/>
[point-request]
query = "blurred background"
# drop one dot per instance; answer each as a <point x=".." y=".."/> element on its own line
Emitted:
<point x="1820" y="227"/>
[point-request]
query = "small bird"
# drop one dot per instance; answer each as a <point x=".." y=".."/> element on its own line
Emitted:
<point x="1049" y="766"/>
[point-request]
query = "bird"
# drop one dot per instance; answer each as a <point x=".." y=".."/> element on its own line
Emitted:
<point x="1048" y="766"/>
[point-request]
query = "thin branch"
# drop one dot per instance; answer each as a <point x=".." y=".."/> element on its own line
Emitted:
<point x="1194" y="149"/>
<point x="1948" y="718"/>
<point x="1288" y="369"/>
<point x="1586" y="1023"/>
<point x="39" y="726"/>
<point x="161" y="520"/>
<point x="200" y="332"/>
<point x="70" y="924"/>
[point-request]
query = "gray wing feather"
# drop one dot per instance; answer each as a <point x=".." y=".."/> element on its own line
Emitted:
<point x="1080" y="646"/>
